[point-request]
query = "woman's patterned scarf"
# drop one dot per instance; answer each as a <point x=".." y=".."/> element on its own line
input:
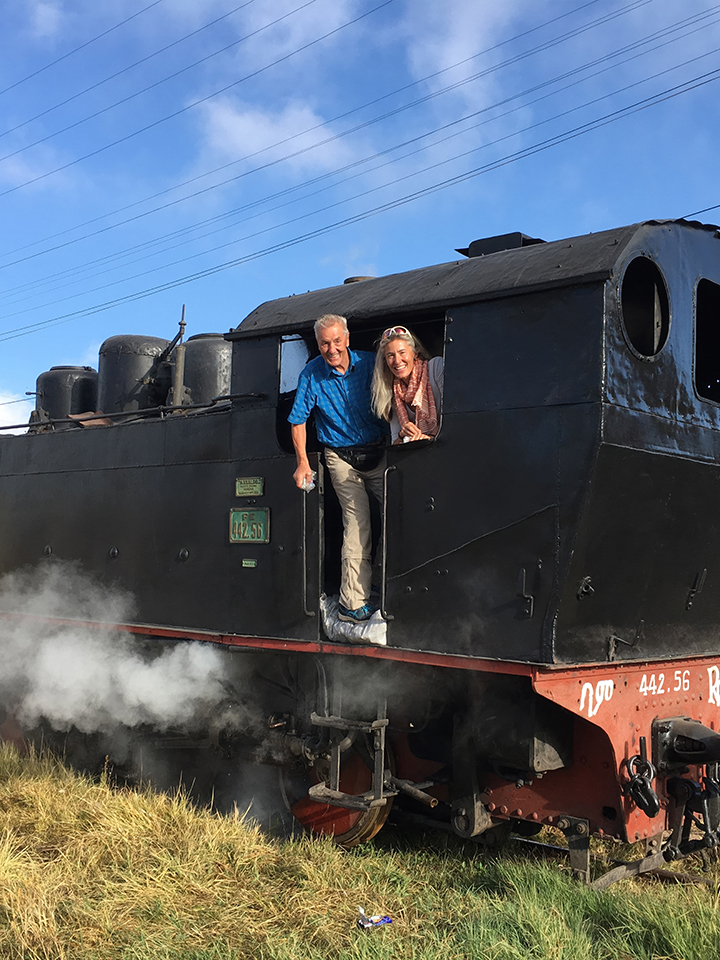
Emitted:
<point x="416" y="393"/>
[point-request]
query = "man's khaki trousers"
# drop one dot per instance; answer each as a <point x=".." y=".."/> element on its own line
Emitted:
<point x="352" y="487"/>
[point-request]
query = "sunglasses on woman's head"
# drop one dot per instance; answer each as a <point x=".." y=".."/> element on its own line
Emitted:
<point x="394" y="332"/>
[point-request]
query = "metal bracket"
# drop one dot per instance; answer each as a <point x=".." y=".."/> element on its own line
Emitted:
<point x="633" y="869"/>
<point x="577" y="834"/>
<point x="469" y="816"/>
<point x="527" y="598"/>
<point x="696" y="588"/>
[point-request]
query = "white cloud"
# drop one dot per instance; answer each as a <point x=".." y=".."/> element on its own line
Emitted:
<point x="46" y="18"/>
<point x="300" y="28"/>
<point x="23" y="168"/>
<point x="234" y="130"/>
<point x="447" y="33"/>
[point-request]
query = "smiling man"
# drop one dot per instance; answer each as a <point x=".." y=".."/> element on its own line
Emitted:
<point x="336" y="386"/>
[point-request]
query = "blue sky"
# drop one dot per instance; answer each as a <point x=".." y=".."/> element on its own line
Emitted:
<point x="219" y="154"/>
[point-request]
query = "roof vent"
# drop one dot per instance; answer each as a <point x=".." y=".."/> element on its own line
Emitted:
<point x="506" y="241"/>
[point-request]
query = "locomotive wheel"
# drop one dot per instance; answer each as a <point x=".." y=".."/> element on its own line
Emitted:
<point x="347" y="827"/>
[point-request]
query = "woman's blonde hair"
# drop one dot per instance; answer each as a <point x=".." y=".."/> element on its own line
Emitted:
<point x="382" y="381"/>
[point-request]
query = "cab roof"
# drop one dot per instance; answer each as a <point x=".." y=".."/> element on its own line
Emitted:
<point x="585" y="259"/>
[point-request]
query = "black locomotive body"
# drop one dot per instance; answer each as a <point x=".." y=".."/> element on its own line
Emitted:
<point x="550" y="576"/>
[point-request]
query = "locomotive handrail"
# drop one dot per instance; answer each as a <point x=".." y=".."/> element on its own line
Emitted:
<point x="383" y="582"/>
<point x="161" y="409"/>
<point x="306" y="611"/>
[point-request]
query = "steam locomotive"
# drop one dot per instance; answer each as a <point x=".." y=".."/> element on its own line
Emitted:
<point x="551" y="584"/>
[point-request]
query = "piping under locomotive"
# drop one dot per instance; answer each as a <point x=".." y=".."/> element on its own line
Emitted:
<point x="550" y="581"/>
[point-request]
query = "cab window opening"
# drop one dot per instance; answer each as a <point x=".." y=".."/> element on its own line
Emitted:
<point x="298" y="349"/>
<point x="707" y="340"/>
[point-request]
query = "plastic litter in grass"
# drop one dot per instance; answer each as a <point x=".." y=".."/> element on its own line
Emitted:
<point x="371" y="923"/>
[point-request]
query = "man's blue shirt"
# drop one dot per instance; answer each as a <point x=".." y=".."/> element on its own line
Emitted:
<point x="341" y="402"/>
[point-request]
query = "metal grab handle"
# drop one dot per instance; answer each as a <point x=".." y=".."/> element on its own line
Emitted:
<point x="383" y="585"/>
<point x="308" y="613"/>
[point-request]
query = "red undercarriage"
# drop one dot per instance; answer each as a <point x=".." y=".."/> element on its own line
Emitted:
<point x="614" y="705"/>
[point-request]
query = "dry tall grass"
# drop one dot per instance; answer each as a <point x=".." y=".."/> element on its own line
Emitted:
<point x="88" y="871"/>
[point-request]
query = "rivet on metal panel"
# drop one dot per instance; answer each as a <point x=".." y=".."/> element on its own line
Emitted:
<point x="183" y="554"/>
<point x="113" y="553"/>
<point x="47" y="551"/>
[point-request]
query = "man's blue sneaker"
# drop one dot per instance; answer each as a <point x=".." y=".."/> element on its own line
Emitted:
<point x="360" y="615"/>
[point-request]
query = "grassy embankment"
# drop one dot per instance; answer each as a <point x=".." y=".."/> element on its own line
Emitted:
<point x="87" y="871"/>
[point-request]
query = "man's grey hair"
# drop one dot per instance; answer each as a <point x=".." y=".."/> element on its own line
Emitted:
<point x="329" y="320"/>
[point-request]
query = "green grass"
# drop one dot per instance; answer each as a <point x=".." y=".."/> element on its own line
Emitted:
<point x="88" y="871"/>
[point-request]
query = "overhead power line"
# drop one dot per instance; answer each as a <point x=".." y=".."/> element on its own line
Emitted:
<point x="119" y="73"/>
<point x="697" y="213"/>
<point x="71" y="53"/>
<point x="327" y="140"/>
<point x="631" y="48"/>
<point x="200" y="100"/>
<point x="342" y="116"/>
<point x="611" y="61"/>
<point x="523" y="153"/>
<point x="152" y="86"/>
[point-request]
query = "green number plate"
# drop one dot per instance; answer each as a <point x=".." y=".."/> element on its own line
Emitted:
<point x="250" y="526"/>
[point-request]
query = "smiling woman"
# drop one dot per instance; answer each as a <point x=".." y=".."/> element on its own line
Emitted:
<point x="407" y="386"/>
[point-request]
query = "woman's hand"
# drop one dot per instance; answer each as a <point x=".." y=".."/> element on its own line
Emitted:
<point x="412" y="432"/>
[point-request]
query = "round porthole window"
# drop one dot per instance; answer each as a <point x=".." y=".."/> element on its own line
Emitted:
<point x="645" y="307"/>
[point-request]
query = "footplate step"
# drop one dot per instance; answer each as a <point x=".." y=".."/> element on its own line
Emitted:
<point x="350" y="801"/>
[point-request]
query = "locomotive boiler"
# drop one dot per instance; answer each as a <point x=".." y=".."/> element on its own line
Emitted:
<point x="550" y="592"/>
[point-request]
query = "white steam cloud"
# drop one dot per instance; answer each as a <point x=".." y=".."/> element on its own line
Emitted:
<point x="95" y="679"/>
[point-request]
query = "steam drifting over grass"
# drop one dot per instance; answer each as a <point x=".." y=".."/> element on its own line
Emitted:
<point x="94" y="680"/>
